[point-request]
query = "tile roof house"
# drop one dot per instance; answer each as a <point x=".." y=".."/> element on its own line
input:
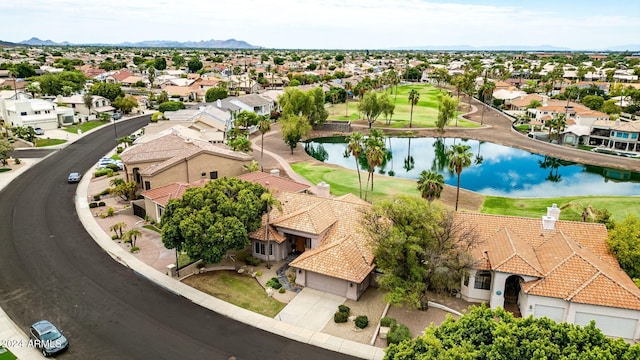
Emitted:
<point x="559" y="269"/>
<point x="173" y="158"/>
<point x="334" y="252"/>
<point x="156" y="199"/>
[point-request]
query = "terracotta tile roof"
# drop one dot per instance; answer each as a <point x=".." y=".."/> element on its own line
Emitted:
<point x="274" y="182"/>
<point x="573" y="261"/>
<point x="172" y="148"/>
<point x="344" y="251"/>
<point x="161" y="195"/>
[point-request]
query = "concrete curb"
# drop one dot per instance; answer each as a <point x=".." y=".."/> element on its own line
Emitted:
<point x="234" y="312"/>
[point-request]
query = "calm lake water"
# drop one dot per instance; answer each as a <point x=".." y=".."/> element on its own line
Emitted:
<point x="496" y="170"/>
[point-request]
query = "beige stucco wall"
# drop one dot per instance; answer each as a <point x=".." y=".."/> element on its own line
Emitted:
<point x="190" y="170"/>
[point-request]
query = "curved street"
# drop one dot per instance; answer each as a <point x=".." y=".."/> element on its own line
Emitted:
<point x="52" y="269"/>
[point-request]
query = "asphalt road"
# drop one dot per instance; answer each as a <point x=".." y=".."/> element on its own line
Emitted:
<point x="50" y="268"/>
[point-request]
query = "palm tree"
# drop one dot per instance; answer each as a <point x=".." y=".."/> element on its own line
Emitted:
<point x="375" y="152"/>
<point x="354" y="147"/>
<point x="459" y="158"/>
<point x="414" y="96"/>
<point x="347" y="87"/>
<point x="409" y="162"/>
<point x="131" y="236"/>
<point x="487" y="90"/>
<point x="87" y="99"/>
<point x="264" y="126"/>
<point x="117" y="228"/>
<point x="271" y="202"/>
<point x="430" y="185"/>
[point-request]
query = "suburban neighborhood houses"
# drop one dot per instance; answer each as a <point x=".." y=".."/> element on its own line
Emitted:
<point x="211" y="111"/>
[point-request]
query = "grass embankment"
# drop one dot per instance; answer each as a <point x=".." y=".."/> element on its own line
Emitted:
<point x="85" y="126"/>
<point x="425" y="113"/>
<point x="345" y="181"/>
<point x="240" y="290"/>
<point x="49" y="142"/>
<point x="572" y="206"/>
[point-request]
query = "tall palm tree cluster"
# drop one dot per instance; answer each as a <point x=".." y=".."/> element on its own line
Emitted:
<point x="373" y="148"/>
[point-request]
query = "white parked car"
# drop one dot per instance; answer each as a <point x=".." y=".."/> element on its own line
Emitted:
<point x="102" y="163"/>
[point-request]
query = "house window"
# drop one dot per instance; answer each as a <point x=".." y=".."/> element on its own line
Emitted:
<point x="160" y="211"/>
<point x="147" y="185"/>
<point x="47" y="111"/>
<point x="634" y="136"/>
<point x="73" y="106"/>
<point x="466" y="279"/>
<point x="625" y="135"/>
<point x="213" y="175"/>
<point x="483" y="280"/>
<point x="24" y="113"/>
<point x="613" y="133"/>
<point x="260" y="248"/>
<point x="37" y="112"/>
<point x="203" y="174"/>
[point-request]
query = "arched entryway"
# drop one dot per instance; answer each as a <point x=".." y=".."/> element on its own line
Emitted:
<point x="511" y="292"/>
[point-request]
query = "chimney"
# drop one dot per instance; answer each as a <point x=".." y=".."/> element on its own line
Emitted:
<point x="275" y="172"/>
<point x="549" y="220"/>
<point x="219" y="103"/>
<point x="324" y="190"/>
<point x="554" y="211"/>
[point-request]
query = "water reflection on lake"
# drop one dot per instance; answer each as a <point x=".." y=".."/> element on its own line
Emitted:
<point x="496" y="169"/>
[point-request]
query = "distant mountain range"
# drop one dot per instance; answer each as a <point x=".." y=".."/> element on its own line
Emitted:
<point x="207" y="44"/>
<point x="239" y="44"/>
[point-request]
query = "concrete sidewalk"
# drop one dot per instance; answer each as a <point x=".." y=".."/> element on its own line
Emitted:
<point x="16" y="338"/>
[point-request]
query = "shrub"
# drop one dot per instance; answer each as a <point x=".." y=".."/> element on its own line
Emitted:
<point x="101" y="203"/>
<point x="344" y="309"/>
<point x="96" y="197"/>
<point x="134" y="249"/>
<point x="16" y="161"/>
<point x="252" y="261"/>
<point x="398" y="334"/>
<point x="104" y="192"/>
<point x="259" y="273"/>
<point x="340" y="317"/>
<point x="362" y="321"/>
<point x="156" y="116"/>
<point x="119" y="149"/>
<point x="110" y="211"/>
<point x="274" y="283"/>
<point x="93" y="205"/>
<point x="388" y="322"/>
<point x="103" y="172"/>
<point x="114" y="237"/>
<point x="282" y="290"/>
<point x="113" y="167"/>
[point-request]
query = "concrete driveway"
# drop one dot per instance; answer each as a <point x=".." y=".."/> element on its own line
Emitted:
<point x="310" y="309"/>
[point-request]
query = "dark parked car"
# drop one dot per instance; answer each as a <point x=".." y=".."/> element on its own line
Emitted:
<point x="74" y="177"/>
<point x="46" y="337"/>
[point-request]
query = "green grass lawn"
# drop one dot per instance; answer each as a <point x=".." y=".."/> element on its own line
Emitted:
<point x="49" y="142"/>
<point x="6" y="354"/>
<point x="425" y="112"/>
<point x="85" y="126"/>
<point x="572" y="206"/>
<point x="345" y="181"/>
<point x="240" y="290"/>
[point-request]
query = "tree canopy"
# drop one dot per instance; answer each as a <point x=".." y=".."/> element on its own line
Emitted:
<point x="484" y="333"/>
<point x="294" y="128"/>
<point x="624" y="242"/>
<point x="309" y="104"/>
<point x="215" y="93"/>
<point x="208" y="221"/>
<point x="53" y="84"/>
<point x="107" y="90"/>
<point x="373" y="104"/>
<point x="418" y="246"/>
<point x="171" y="106"/>
<point x="194" y="64"/>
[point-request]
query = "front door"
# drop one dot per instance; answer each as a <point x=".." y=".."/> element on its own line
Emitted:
<point x="300" y="244"/>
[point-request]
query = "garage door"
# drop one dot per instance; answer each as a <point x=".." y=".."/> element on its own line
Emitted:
<point x="552" y="312"/>
<point x="327" y="284"/>
<point x="610" y="325"/>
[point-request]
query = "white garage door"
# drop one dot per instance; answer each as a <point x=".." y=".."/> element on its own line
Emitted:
<point x="610" y="325"/>
<point x="554" y="313"/>
<point x="327" y="284"/>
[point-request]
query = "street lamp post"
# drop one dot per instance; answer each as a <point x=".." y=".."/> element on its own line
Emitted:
<point x="115" y="133"/>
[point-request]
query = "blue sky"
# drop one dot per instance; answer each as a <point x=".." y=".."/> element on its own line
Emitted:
<point x="329" y="24"/>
